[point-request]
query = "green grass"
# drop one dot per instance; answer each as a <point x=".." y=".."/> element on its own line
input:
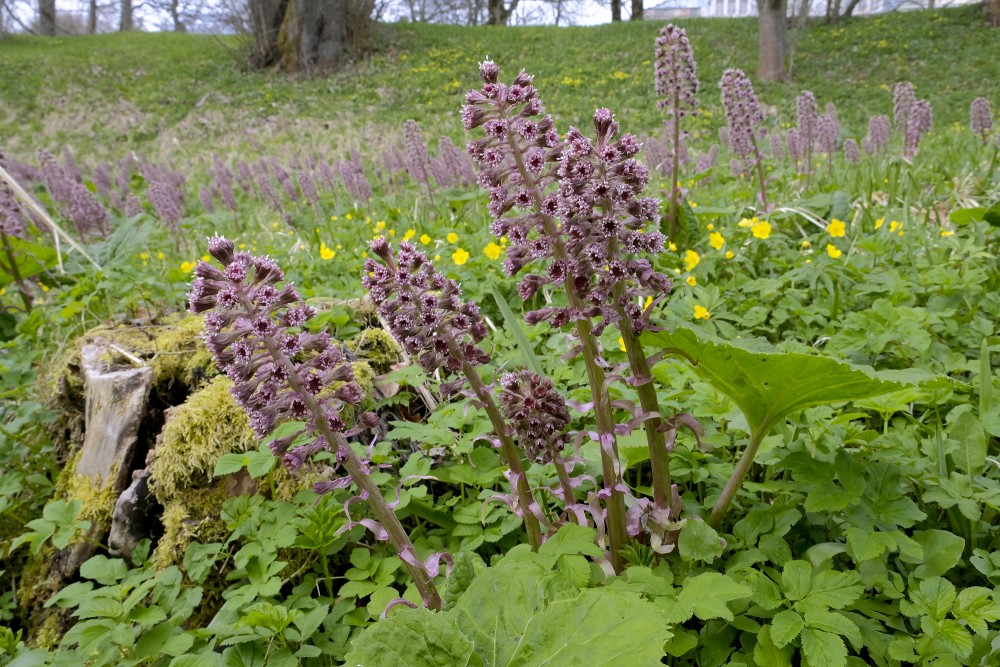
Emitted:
<point x="177" y="94"/>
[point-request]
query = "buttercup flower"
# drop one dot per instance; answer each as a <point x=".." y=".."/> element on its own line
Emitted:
<point x="716" y="240"/>
<point x="701" y="313"/>
<point x="833" y="251"/>
<point x="691" y="260"/>
<point x="460" y="256"/>
<point x="836" y="228"/>
<point x="761" y="229"/>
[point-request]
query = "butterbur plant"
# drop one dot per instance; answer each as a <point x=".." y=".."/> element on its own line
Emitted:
<point x="575" y="209"/>
<point x="253" y="327"/>
<point x="744" y="118"/>
<point x="676" y="86"/>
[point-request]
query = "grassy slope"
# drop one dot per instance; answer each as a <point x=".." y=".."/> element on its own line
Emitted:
<point x="179" y="94"/>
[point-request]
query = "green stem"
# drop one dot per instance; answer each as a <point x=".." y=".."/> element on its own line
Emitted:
<point x="659" y="457"/>
<point x="736" y="479"/>
<point x="616" y="528"/>
<point x="16" y="273"/>
<point x="507" y="446"/>
<point x="326" y="577"/>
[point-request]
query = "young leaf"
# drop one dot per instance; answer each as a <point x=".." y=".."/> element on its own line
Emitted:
<point x="699" y="541"/>
<point x="972" y="443"/>
<point x="785" y="627"/>
<point x="572" y="539"/>
<point x="942" y="551"/>
<point x="823" y="649"/>
<point x="707" y="594"/>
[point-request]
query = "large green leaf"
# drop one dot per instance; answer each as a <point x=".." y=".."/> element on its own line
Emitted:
<point x="598" y="627"/>
<point x="413" y="637"/>
<point x="768" y="385"/>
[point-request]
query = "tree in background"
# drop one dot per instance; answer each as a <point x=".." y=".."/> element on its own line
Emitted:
<point x="636" y="10"/>
<point x="47" y="17"/>
<point x="308" y="34"/>
<point x="127" y="20"/>
<point x="773" y="36"/>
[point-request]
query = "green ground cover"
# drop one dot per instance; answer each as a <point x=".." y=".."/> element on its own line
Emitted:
<point x="845" y="334"/>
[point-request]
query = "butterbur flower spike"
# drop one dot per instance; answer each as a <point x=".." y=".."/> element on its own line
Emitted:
<point x="253" y="327"/>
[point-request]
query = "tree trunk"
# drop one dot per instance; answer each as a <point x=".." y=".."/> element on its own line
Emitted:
<point x="308" y="34"/>
<point x="498" y="13"/>
<point x="773" y="40"/>
<point x="851" y="6"/>
<point x="176" y="16"/>
<point x="616" y="10"/>
<point x="993" y="13"/>
<point x="92" y="17"/>
<point x="636" y="10"/>
<point x="47" y="17"/>
<point x="127" y="22"/>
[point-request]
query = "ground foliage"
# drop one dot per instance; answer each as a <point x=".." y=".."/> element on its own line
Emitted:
<point x="847" y="338"/>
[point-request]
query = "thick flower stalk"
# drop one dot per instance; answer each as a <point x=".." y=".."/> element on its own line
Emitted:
<point x="427" y="316"/>
<point x="577" y="209"/>
<point x="981" y="118"/>
<point x="808" y="128"/>
<point x="903" y="99"/>
<point x="253" y="327"/>
<point x="517" y="159"/>
<point x="744" y="118"/>
<point x="676" y="86"/>
<point x="879" y="134"/>
<point x="918" y="124"/>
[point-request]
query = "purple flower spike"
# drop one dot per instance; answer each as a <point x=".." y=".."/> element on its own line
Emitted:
<point x="981" y="117"/>
<point x="537" y="413"/>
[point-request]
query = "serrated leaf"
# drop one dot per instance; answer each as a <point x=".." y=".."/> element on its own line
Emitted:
<point x="594" y="628"/>
<point x="412" y="637"/>
<point x="868" y="544"/>
<point x="309" y="621"/>
<point x="975" y="606"/>
<point x="953" y="635"/>
<point x="708" y="593"/>
<point x="571" y="540"/>
<point x="934" y="597"/>
<point x="823" y="649"/>
<point x="769" y="385"/>
<point x="833" y="590"/>
<point x="767" y="654"/>
<point x="831" y="621"/>
<point x="229" y="463"/>
<point x="785" y="627"/>
<point x="259" y="463"/>
<point x="699" y="541"/>
<point x="796" y="578"/>
<point x="199" y="559"/>
<point x="942" y="551"/>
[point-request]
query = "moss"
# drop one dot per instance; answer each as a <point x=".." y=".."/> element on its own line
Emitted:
<point x="190" y="516"/>
<point x="378" y="348"/>
<point x="196" y="435"/>
<point x="97" y="496"/>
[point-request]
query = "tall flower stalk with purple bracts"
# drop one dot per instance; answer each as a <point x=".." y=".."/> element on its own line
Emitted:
<point x="575" y="207"/>
<point x="744" y="119"/>
<point x="426" y="315"/>
<point x="676" y="86"/>
<point x="280" y="372"/>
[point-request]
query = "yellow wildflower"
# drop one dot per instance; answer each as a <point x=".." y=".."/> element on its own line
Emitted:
<point x="836" y="228"/>
<point x="326" y="253"/>
<point x="806" y="244"/>
<point x="691" y="260"/>
<point x="729" y="254"/>
<point x="380" y="225"/>
<point x="437" y="258"/>
<point x="716" y="240"/>
<point x="879" y="223"/>
<point x="143" y="256"/>
<point x="947" y="232"/>
<point x="701" y="313"/>
<point x="492" y="251"/>
<point x="452" y="237"/>
<point x="833" y="251"/>
<point x="894" y="226"/>
<point x="460" y="257"/>
<point x="748" y="222"/>
<point x="672" y="247"/>
<point x="424" y="239"/>
<point x="690" y="280"/>
<point x="710" y="227"/>
<point x="187" y="267"/>
<point x="761" y="229"/>
<point x="351" y="217"/>
<point x="410" y="233"/>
